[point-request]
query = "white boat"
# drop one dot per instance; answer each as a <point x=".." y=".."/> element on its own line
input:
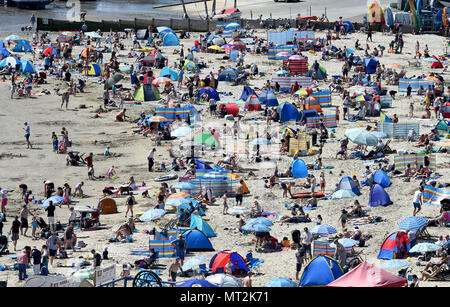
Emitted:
<point x="227" y="14"/>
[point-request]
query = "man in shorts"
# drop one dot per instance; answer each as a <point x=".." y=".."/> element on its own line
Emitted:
<point x="418" y="201"/>
<point x="180" y="248"/>
<point x="299" y="255"/>
<point x="14" y="232"/>
<point x="27" y="135"/>
<point x="306" y="241"/>
<point x="51" y="215"/>
<point x="53" y="245"/>
<point x="239" y="193"/>
<point x="173" y="269"/>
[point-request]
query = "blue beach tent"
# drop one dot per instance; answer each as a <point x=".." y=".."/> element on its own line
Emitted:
<point x="269" y="98"/>
<point x="170" y="39"/>
<point x="168" y="72"/>
<point x="371" y="65"/>
<point x="198" y="223"/>
<point x="287" y="112"/>
<point x="381" y="178"/>
<point x="347" y="183"/>
<point x="247" y="92"/>
<point x="23" y="46"/>
<point x="299" y="169"/>
<point x="320" y="271"/>
<point x="378" y="196"/>
<point x="197" y="241"/>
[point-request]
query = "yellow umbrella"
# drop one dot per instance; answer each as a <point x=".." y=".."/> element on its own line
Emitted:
<point x="214" y="47"/>
<point x="302" y="92"/>
<point x="158" y="119"/>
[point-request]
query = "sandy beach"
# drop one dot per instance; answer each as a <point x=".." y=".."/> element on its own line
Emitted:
<point x="91" y="133"/>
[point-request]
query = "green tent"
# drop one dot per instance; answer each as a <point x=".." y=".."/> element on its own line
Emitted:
<point x="198" y="223"/>
<point x="442" y="127"/>
<point x="147" y="92"/>
<point x="206" y="138"/>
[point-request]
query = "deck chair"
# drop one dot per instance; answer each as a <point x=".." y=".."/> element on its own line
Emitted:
<point x="204" y="270"/>
<point x="423" y="233"/>
<point x="253" y="263"/>
<point x="439" y="274"/>
<point x="170" y="224"/>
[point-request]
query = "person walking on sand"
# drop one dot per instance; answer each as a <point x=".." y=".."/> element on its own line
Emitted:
<point x="14" y="232"/>
<point x="307" y="239"/>
<point x="418" y="201"/>
<point x="173" y="269"/>
<point x="24" y="220"/>
<point x="150" y="158"/>
<point x="131" y="201"/>
<point x="239" y="193"/>
<point x="300" y="256"/>
<point x="27" y="135"/>
<point x="51" y="215"/>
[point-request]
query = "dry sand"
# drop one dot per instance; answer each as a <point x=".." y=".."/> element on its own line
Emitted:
<point x="19" y="165"/>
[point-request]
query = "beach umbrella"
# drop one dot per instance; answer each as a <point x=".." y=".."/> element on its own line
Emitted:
<point x="217" y="48"/>
<point x="280" y="282"/>
<point x="296" y="57"/>
<point x="151" y="215"/>
<point x="232" y="25"/>
<point x="178" y="195"/>
<point x="195" y="283"/>
<point x="283" y="54"/>
<point x="83" y="209"/>
<point x="226" y="46"/>
<point x="323" y="230"/>
<point x="218" y="41"/>
<point x="158" y="119"/>
<point x="55" y="199"/>
<point x="93" y="35"/>
<point x="87" y="50"/>
<point x="239" y="210"/>
<point x="183" y="186"/>
<point x="346" y="242"/>
<point x="362" y="98"/>
<point x="260" y="220"/>
<point x="206" y="138"/>
<point x="189" y="65"/>
<point x="379" y="134"/>
<point x="176" y="202"/>
<point x="260" y="141"/>
<point x="13" y="37"/>
<point x="361" y="136"/>
<point x="193" y="262"/>
<point x="433" y="79"/>
<point x="395" y="264"/>
<point x="412" y="223"/>
<point x="302" y="92"/>
<point x="161" y="80"/>
<point x="425" y="248"/>
<point x="224" y="280"/>
<point x="343" y="194"/>
<point x="255" y="227"/>
<point x="431" y="60"/>
<point x="182" y="131"/>
<point x="444" y="143"/>
<point x="113" y="80"/>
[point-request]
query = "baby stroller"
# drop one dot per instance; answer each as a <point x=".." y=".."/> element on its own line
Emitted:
<point x="74" y="158"/>
<point x="4" y="245"/>
<point x="90" y="219"/>
<point x="44" y="228"/>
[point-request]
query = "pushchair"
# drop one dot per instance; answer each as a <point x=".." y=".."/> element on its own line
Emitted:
<point x="44" y="228"/>
<point x="90" y="219"/>
<point x="74" y="158"/>
<point x="4" y="245"/>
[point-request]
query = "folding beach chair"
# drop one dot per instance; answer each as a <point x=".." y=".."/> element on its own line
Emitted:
<point x="253" y="263"/>
<point x="422" y="233"/>
<point x="204" y="270"/>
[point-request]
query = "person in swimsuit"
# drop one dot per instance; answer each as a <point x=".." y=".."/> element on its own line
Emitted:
<point x="343" y="218"/>
<point x="130" y="203"/>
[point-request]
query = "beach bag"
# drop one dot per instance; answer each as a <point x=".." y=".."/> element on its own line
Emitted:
<point x="362" y="243"/>
<point x="44" y="271"/>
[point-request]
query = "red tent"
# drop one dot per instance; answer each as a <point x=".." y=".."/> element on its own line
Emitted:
<point x="437" y="64"/>
<point x="220" y="260"/>
<point x="368" y="275"/>
<point x="231" y="108"/>
<point x="253" y="103"/>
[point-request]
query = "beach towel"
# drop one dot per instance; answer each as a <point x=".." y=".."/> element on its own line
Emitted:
<point x="415" y="84"/>
<point x="398" y="130"/>
<point x="329" y="121"/>
<point x="402" y="161"/>
<point x="433" y="196"/>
